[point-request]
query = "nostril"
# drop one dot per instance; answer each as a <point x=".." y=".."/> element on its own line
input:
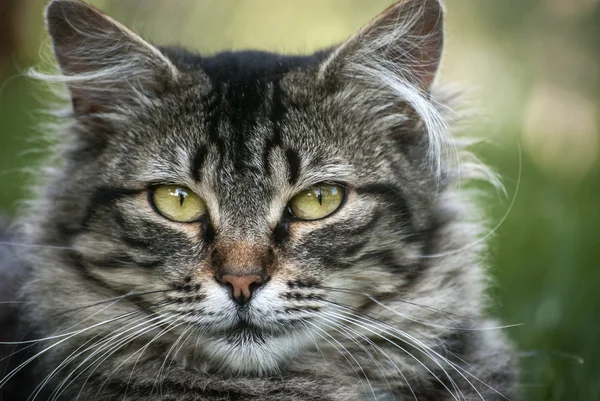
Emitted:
<point x="226" y="284"/>
<point x="219" y="278"/>
<point x="255" y="285"/>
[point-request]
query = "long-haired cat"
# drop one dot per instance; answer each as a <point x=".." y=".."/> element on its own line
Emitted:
<point x="253" y="226"/>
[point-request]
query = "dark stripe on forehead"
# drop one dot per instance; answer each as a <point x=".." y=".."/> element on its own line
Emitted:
<point x="278" y="108"/>
<point x="240" y="81"/>
<point x="278" y="112"/>
<point x="245" y="97"/>
<point x="198" y="161"/>
<point x="294" y="165"/>
<point x="213" y="118"/>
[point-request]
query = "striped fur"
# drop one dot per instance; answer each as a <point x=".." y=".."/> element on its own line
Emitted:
<point x="381" y="300"/>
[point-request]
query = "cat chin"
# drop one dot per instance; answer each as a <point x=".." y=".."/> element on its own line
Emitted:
<point x="247" y="355"/>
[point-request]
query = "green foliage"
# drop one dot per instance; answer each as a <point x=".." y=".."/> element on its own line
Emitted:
<point x="545" y="265"/>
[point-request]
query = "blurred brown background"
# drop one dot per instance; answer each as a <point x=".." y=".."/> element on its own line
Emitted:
<point x="531" y="69"/>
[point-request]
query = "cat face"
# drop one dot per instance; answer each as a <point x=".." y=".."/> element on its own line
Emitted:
<point x="249" y="198"/>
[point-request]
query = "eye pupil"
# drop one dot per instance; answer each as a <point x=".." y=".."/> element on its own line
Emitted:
<point x="316" y="202"/>
<point x="177" y="203"/>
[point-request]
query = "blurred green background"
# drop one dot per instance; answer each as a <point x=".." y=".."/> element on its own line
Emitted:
<point x="532" y="71"/>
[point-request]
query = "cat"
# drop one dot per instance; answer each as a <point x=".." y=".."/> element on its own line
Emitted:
<point x="254" y="226"/>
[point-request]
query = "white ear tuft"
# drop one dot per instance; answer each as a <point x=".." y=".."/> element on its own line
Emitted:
<point x="395" y="58"/>
<point x="408" y="38"/>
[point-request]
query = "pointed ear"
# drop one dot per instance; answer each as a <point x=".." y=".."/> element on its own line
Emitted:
<point x="104" y="64"/>
<point x="407" y="39"/>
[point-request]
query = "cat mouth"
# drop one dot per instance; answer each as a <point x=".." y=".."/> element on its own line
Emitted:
<point x="245" y="330"/>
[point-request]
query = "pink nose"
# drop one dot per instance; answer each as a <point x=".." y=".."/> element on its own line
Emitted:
<point x="242" y="287"/>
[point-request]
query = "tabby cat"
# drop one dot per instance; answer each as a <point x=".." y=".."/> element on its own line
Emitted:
<point x="253" y="226"/>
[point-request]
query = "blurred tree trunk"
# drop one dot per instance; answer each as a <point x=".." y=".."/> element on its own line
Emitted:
<point x="8" y="35"/>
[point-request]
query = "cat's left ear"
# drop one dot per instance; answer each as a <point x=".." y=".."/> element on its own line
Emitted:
<point x="105" y="65"/>
<point x="406" y="39"/>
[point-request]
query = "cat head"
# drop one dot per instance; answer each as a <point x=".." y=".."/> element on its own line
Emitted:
<point x="251" y="198"/>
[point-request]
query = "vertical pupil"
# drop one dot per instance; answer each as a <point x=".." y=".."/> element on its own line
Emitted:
<point x="319" y="196"/>
<point x="181" y="193"/>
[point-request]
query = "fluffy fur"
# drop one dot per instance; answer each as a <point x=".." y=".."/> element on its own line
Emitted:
<point x="381" y="300"/>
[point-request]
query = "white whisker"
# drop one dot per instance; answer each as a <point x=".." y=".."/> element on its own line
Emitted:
<point x="170" y="326"/>
<point x="75" y="354"/>
<point x="364" y="320"/>
<point x="365" y="325"/>
<point x="173" y="346"/>
<point x="364" y="374"/>
<point x="29" y="360"/>
<point x="343" y="329"/>
<point x="103" y="345"/>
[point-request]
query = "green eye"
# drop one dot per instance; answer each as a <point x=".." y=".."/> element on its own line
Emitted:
<point x="178" y="203"/>
<point x="317" y="202"/>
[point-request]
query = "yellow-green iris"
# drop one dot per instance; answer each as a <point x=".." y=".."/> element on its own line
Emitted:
<point x="317" y="202"/>
<point x="178" y="203"/>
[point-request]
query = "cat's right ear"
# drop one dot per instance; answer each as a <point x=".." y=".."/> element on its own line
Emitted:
<point x="105" y="66"/>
